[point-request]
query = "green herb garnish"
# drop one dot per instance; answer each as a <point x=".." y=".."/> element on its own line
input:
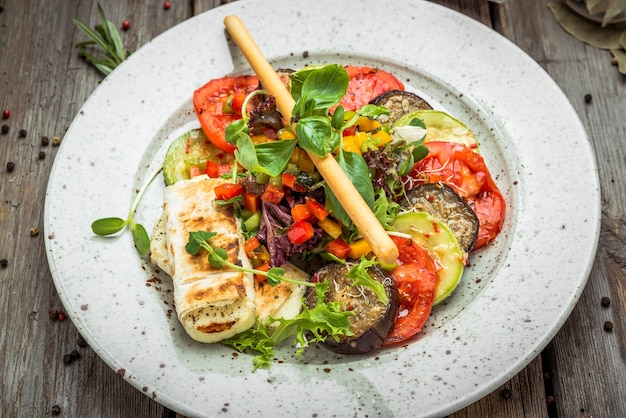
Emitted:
<point x="110" y="226"/>
<point x="358" y="273"/>
<point x="105" y="36"/>
<point x="218" y="257"/>
<point x="311" y="325"/>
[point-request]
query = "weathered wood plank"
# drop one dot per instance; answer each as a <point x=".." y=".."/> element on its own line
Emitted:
<point x="44" y="83"/>
<point x="587" y="363"/>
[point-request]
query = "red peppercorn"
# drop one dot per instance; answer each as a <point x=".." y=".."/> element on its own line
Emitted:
<point x="167" y="5"/>
<point x="126" y="25"/>
<point x="62" y="315"/>
<point x="6" y="114"/>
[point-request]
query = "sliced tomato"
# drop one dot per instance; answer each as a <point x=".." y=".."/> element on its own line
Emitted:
<point x="213" y="104"/>
<point x="365" y="84"/>
<point x="466" y="172"/>
<point x="415" y="278"/>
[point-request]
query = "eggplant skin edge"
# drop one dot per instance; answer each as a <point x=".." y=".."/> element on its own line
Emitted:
<point x="399" y="103"/>
<point x="370" y="339"/>
<point x="442" y="202"/>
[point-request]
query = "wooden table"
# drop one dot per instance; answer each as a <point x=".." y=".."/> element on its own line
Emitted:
<point x="43" y="82"/>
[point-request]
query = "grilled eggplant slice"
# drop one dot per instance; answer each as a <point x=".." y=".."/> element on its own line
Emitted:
<point x="399" y="103"/>
<point x="444" y="204"/>
<point x="372" y="320"/>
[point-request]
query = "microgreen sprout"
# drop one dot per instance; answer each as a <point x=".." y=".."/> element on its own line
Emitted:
<point x="113" y="225"/>
<point x="360" y="277"/>
<point x="314" y="324"/>
<point x="218" y="257"/>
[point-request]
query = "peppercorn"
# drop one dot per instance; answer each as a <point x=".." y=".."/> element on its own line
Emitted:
<point x="53" y="314"/>
<point x="605" y="302"/>
<point x="42" y="155"/>
<point x="6" y="114"/>
<point x="62" y="315"/>
<point x="5" y="129"/>
<point x="506" y="393"/>
<point x="56" y="409"/>
<point x="10" y="166"/>
<point x="45" y="141"/>
<point x="125" y="25"/>
<point x="167" y="5"/>
<point x="4" y="262"/>
<point x="588" y="98"/>
<point x="81" y="342"/>
<point x="67" y="359"/>
<point x="75" y="355"/>
<point x="22" y="133"/>
<point x="34" y="231"/>
<point x="56" y="141"/>
<point x="608" y="326"/>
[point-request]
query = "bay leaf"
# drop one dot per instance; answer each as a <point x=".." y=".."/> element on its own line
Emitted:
<point x="585" y="30"/>
<point x="615" y="8"/>
<point x="620" y="56"/>
<point x="597" y="6"/>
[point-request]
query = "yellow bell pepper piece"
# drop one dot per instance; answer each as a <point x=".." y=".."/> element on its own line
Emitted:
<point x="285" y="133"/>
<point x="349" y="144"/>
<point x="381" y="138"/>
<point x="366" y="124"/>
<point x="359" y="248"/>
<point x="330" y="227"/>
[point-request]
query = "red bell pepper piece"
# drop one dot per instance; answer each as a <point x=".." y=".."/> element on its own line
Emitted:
<point x="339" y="248"/>
<point x="300" y="232"/>
<point x="228" y="191"/>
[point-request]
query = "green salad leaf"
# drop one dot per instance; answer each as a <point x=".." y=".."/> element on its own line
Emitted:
<point x="312" y="325"/>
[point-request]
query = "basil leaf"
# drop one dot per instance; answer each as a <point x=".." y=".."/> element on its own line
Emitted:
<point x="356" y="169"/>
<point x="236" y="130"/>
<point x="269" y="158"/>
<point x="417" y="122"/>
<point x="297" y="80"/>
<point x="246" y="154"/>
<point x="274" y="156"/>
<point x="338" y="118"/>
<point x="315" y="134"/>
<point x="325" y="86"/>
<point x="420" y="152"/>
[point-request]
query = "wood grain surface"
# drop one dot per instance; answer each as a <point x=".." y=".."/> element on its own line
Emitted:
<point x="44" y="82"/>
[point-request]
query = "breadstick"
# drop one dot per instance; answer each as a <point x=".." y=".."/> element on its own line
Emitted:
<point x="349" y="197"/>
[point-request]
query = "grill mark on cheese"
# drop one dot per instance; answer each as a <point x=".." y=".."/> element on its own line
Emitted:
<point x="216" y="327"/>
<point x="229" y="289"/>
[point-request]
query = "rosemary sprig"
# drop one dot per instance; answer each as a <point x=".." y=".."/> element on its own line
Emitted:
<point x="106" y="36"/>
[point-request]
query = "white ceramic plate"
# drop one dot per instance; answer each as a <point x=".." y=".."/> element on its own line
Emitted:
<point x="513" y="299"/>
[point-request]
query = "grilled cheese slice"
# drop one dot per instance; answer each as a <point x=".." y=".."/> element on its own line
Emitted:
<point x="213" y="304"/>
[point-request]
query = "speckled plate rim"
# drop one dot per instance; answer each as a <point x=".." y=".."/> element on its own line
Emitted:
<point x="533" y="282"/>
